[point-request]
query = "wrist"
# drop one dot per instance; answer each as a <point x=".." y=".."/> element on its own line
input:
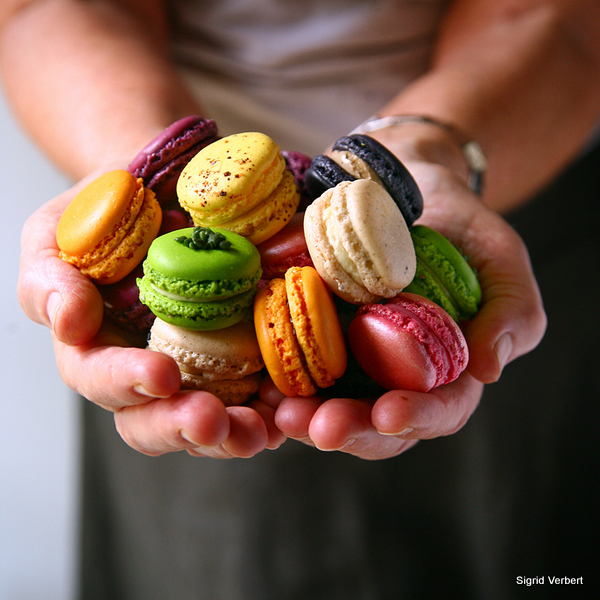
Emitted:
<point x="415" y="138"/>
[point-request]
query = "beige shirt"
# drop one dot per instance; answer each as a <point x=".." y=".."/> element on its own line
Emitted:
<point x="303" y="71"/>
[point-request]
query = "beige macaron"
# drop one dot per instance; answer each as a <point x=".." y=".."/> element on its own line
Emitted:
<point x="225" y="362"/>
<point x="359" y="242"/>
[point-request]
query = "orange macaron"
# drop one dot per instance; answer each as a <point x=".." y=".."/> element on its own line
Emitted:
<point x="108" y="227"/>
<point x="299" y="333"/>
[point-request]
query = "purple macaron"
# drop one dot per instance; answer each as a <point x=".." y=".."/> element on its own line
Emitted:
<point x="160" y="163"/>
<point x="297" y="163"/>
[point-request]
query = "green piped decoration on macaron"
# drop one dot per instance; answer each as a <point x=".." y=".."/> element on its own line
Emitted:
<point x="204" y="238"/>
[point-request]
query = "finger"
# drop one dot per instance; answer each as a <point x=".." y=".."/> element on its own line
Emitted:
<point x="414" y="415"/>
<point x="275" y="436"/>
<point x="185" y="421"/>
<point x="269" y="394"/>
<point x="113" y="376"/>
<point x="294" y="415"/>
<point x="512" y="320"/>
<point x="248" y="435"/>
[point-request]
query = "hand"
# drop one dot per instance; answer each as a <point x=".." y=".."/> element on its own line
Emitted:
<point x="139" y="386"/>
<point x="510" y="323"/>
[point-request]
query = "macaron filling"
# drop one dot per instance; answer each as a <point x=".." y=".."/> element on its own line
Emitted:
<point x="354" y="165"/>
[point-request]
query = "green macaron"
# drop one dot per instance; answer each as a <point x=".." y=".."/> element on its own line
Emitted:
<point x="200" y="278"/>
<point x="443" y="274"/>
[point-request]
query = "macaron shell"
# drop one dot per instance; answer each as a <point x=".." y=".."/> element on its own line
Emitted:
<point x="232" y="392"/>
<point x="408" y="343"/>
<point x="443" y="274"/>
<point x="122" y="304"/>
<point x="287" y="248"/>
<point x="225" y="362"/>
<point x="359" y="242"/>
<point x="161" y="162"/>
<point x="100" y="214"/>
<point x="229" y="177"/>
<point x="279" y="348"/>
<point x="227" y="353"/>
<point x="316" y="325"/>
<point x="208" y="315"/>
<point x="393" y="174"/>
<point x="177" y="138"/>
<point x="133" y="248"/>
<point x="297" y="163"/>
<point x="108" y="227"/>
<point x="324" y="259"/>
<point x="324" y="173"/>
<point x="187" y="272"/>
<point x="269" y="216"/>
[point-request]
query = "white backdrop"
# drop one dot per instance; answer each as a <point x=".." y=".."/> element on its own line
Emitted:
<point x="38" y="414"/>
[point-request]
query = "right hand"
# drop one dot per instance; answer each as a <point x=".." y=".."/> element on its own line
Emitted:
<point x="141" y="387"/>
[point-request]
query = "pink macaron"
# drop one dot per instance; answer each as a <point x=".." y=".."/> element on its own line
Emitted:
<point x="408" y="343"/>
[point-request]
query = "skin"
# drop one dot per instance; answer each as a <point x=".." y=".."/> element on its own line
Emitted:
<point x="521" y="77"/>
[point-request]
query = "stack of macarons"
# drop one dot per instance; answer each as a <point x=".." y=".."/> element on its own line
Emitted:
<point x="270" y="258"/>
<point x="200" y="283"/>
<point x="412" y="286"/>
<point x="243" y="186"/>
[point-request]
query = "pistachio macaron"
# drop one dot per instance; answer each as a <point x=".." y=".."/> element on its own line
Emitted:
<point x="200" y="278"/>
<point x="240" y="183"/>
<point x="443" y="274"/>
<point x="107" y="228"/>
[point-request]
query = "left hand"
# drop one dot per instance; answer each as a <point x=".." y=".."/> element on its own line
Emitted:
<point x="511" y="322"/>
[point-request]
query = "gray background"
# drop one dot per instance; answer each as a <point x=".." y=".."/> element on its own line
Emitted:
<point x="38" y="414"/>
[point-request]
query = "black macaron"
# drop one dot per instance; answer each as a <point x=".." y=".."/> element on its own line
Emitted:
<point x="393" y="174"/>
<point x="322" y="174"/>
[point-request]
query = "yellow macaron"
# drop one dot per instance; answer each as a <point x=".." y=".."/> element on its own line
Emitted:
<point x="108" y="227"/>
<point x="239" y="183"/>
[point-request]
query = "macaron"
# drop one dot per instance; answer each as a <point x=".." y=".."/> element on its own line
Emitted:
<point x="359" y="242"/>
<point x="122" y="305"/>
<point x="225" y="362"/>
<point x="200" y="278"/>
<point x="299" y="334"/>
<point x="107" y="228"/>
<point x="408" y="343"/>
<point x="297" y="163"/>
<point x="443" y="274"/>
<point x="240" y="183"/>
<point x="359" y="156"/>
<point x="160" y="163"/>
<point x="287" y="248"/>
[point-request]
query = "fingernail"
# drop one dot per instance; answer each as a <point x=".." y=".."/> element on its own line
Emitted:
<point x="349" y="443"/>
<point x="405" y="431"/>
<point x="402" y="433"/>
<point x="503" y="349"/>
<point x="138" y="388"/>
<point x="52" y="306"/>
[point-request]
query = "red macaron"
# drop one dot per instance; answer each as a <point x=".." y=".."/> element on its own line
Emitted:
<point x="408" y="343"/>
<point x="287" y="248"/>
